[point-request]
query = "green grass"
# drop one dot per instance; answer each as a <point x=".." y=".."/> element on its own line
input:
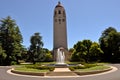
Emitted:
<point x="95" y="68"/>
<point x="40" y="67"/>
<point x="24" y="69"/>
<point x="33" y="68"/>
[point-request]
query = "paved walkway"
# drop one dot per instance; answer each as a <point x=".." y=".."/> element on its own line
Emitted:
<point x="110" y="76"/>
<point x="62" y="72"/>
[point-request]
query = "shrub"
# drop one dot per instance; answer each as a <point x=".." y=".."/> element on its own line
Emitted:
<point x="72" y="68"/>
<point x="40" y="67"/>
<point x="90" y="65"/>
<point x="13" y="63"/>
<point x="82" y="67"/>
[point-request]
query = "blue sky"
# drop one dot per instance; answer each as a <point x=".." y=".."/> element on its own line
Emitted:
<point x="86" y="19"/>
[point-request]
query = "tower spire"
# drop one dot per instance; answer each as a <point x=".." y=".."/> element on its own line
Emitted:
<point x="59" y="2"/>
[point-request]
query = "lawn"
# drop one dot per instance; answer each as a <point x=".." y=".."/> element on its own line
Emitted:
<point x="33" y="68"/>
<point x="41" y="67"/>
<point x="95" y="68"/>
<point x="24" y="69"/>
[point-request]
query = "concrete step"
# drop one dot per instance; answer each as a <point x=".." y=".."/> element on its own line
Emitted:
<point x="62" y="70"/>
<point x="61" y="74"/>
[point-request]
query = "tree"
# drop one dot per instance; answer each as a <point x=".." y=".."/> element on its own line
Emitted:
<point x="79" y="52"/>
<point x="24" y="55"/>
<point x="2" y="55"/>
<point x="11" y="39"/>
<point x="87" y="44"/>
<point x="71" y="50"/>
<point x="86" y="51"/>
<point x="110" y="44"/>
<point x="35" y="50"/>
<point x="48" y="56"/>
<point x="95" y="52"/>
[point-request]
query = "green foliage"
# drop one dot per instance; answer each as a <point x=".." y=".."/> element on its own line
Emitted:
<point x="38" y="67"/>
<point x="95" y="52"/>
<point x="2" y="55"/>
<point x="71" y="50"/>
<point x="86" y="51"/>
<point x="85" y="66"/>
<point x="48" y="55"/>
<point x="46" y="67"/>
<point x="24" y="54"/>
<point x="110" y="44"/>
<point x="35" y="51"/>
<point x="91" y="69"/>
<point x="14" y="63"/>
<point x="34" y="70"/>
<point x="11" y="39"/>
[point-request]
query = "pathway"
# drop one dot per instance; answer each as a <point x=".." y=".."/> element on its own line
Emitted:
<point x="62" y="72"/>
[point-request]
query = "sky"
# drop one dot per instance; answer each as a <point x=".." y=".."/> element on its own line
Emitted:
<point x="86" y="19"/>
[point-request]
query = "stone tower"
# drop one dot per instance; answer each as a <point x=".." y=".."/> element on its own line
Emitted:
<point x="60" y="29"/>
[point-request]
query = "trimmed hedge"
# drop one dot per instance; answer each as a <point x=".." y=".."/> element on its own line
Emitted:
<point x="72" y="68"/>
<point x="39" y="67"/>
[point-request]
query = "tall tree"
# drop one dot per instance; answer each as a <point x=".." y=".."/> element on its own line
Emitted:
<point x="95" y="53"/>
<point x="35" y="50"/>
<point x="110" y="44"/>
<point x="87" y="44"/>
<point x="2" y="55"/>
<point x="11" y="39"/>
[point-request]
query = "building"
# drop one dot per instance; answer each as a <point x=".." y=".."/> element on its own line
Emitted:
<point x="60" y="30"/>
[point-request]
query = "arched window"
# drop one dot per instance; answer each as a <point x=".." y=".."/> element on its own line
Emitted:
<point x="55" y="12"/>
<point x="59" y="21"/>
<point x="59" y="12"/>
